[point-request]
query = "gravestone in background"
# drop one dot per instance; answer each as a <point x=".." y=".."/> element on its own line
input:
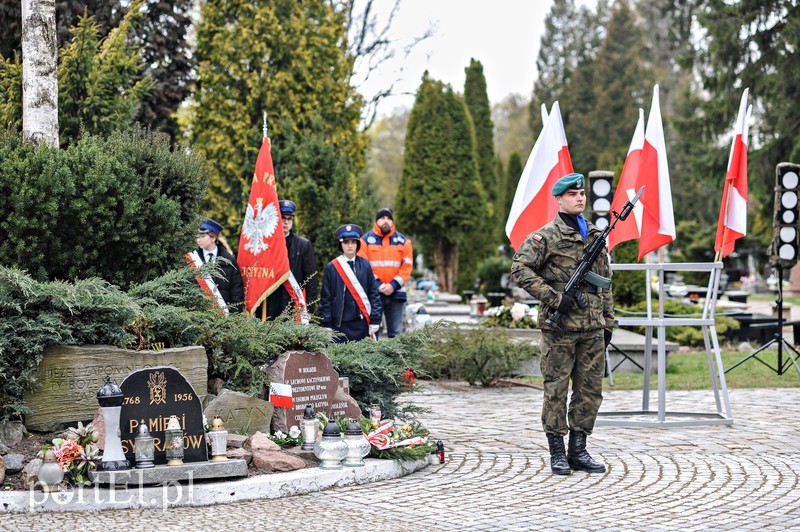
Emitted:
<point x="241" y="413"/>
<point x="152" y="395"/>
<point x="313" y="381"/>
<point x="69" y="377"/>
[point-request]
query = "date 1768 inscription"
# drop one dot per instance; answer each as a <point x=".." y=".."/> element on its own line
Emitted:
<point x="153" y="395"/>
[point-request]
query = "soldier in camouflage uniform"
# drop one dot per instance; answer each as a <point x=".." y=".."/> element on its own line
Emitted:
<point x="542" y="266"/>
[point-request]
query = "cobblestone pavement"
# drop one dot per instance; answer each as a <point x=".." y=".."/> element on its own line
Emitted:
<point x="740" y="477"/>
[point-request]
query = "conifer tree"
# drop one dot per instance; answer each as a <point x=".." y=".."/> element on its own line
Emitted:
<point x="284" y="57"/>
<point x="622" y="85"/>
<point x="441" y="201"/>
<point x="486" y="239"/>
<point x="513" y="173"/>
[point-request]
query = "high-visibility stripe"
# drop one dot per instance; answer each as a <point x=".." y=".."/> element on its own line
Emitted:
<point x="399" y="280"/>
<point x="353" y="286"/>
<point x="385" y="263"/>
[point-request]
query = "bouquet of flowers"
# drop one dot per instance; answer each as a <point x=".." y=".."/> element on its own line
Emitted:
<point x="292" y="439"/>
<point x="517" y="316"/>
<point x="406" y="440"/>
<point x="77" y="453"/>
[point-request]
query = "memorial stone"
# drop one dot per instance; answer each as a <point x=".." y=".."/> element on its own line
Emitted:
<point x="153" y="395"/>
<point x="313" y="381"/>
<point x="241" y="413"/>
<point x="69" y="377"/>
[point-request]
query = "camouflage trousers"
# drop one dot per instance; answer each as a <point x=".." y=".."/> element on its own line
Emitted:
<point x="578" y="357"/>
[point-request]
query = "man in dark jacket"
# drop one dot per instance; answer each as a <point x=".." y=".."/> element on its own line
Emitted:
<point x="350" y="301"/>
<point x="302" y="263"/>
<point x="211" y="246"/>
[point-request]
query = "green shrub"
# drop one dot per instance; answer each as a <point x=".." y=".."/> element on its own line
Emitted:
<point x="172" y="311"/>
<point x="481" y="355"/>
<point x="123" y="209"/>
<point x="375" y="369"/>
<point x="491" y="272"/>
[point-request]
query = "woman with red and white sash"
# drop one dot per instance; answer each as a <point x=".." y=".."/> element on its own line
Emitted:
<point x="350" y="302"/>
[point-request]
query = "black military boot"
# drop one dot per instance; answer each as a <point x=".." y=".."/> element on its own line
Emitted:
<point x="578" y="458"/>
<point x="558" y="459"/>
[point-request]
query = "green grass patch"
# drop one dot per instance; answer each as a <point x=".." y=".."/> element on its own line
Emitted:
<point x="689" y="371"/>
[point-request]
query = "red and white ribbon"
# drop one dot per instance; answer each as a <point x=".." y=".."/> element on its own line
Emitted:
<point x="206" y="282"/>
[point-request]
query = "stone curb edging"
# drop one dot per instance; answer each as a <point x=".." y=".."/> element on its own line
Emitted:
<point x="201" y="493"/>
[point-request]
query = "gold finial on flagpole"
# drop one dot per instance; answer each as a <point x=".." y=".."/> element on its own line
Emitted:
<point x="265" y="124"/>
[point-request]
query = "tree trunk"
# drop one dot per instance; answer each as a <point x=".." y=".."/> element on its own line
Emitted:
<point x="445" y="257"/>
<point x="39" y="77"/>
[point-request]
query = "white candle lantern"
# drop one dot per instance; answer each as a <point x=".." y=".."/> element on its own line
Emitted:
<point x="110" y="398"/>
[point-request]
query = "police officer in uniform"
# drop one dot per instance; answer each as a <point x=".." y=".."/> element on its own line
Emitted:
<point x="544" y="263"/>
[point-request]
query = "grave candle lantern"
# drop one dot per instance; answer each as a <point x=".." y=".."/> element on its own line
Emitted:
<point x="173" y="442"/>
<point x="357" y="444"/>
<point x="375" y="414"/>
<point x="218" y="437"/>
<point x="50" y="473"/>
<point x="330" y="449"/>
<point x="309" y="425"/>
<point x="110" y="398"/>
<point x="145" y="449"/>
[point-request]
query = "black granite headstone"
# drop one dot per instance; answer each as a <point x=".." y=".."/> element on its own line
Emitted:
<point x="152" y="395"/>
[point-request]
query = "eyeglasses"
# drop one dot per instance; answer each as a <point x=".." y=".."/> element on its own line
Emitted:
<point x="287" y="218"/>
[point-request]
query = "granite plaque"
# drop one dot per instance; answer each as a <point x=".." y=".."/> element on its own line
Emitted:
<point x="313" y="381"/>
<point x="153" y="395"/>
<point x="69" y="377"/>
<point x="241" y="413"/>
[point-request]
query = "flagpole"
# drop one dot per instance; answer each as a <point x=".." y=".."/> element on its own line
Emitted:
<point x="265" y="125"/>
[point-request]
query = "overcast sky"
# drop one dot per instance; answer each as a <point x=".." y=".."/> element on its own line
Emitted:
<point x="503" y="35"/>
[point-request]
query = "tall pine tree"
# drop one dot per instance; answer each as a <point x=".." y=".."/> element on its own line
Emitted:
<point x="441" y="201"/>
<point x="483" y="242"/>
<point x="284" y="57"/>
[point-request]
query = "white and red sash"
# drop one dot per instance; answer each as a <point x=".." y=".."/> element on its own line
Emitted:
<point x="353" y="286"/>
<point x="298" y="297"/>
<point x="207" y="283"/>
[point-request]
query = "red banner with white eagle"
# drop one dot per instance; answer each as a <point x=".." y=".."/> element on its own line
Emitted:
<point x="262" y="257"/>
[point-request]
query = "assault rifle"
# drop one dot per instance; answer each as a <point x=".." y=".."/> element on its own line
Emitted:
<point x="583" y="273"/>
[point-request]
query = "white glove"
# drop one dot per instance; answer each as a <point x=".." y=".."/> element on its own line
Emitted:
<point x="373" y="329"/>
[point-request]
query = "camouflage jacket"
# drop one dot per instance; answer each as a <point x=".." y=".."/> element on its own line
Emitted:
<point x="544" y="264"/>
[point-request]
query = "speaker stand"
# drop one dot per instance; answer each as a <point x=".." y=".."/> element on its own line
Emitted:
<point x="791" y="352"/>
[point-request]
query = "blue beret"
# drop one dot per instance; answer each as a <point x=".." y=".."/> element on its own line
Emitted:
<point x="210" y="226"/>
<point x="287" y="206"/>
<point x="574" y="181"/>
<point x="348" y="232"/>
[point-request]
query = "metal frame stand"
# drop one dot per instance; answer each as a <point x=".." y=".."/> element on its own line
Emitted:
<point x="777" y="338"/>
<point x="625" y="356"/>
<point x="659" y="321"/>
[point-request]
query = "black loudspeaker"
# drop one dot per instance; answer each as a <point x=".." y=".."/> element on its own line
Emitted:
<point x="783" y="253"/>
<point x="600" y="195"/>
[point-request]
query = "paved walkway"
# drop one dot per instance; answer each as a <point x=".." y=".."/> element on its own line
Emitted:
<point x="744" y="477"/>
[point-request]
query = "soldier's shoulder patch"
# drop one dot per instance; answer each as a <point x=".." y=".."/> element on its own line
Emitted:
<point x="537" y="237"/>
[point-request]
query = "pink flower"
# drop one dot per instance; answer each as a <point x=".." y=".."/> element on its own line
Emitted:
<point x="69" y="451"/>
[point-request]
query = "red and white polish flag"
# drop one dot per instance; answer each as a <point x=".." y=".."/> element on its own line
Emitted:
<point x="533" y="204"/>
<point x="631" y="227"/>
<point x="658" y="218"/>
<point x="732" y="223"/>
<point x="280" y="395"/>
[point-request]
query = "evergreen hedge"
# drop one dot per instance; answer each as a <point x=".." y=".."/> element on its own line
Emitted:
<point x="172" y="311"/>
<point x="122" y="208"/>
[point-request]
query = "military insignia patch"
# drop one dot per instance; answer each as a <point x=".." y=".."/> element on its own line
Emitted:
<point x="537" y="237"/>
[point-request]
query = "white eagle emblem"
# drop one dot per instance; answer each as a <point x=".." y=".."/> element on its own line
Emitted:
<point x="258" y="226"/>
